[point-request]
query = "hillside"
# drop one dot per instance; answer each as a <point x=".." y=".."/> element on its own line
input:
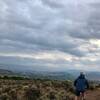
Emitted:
<point x="39" y="75"/>
<point x="49" y="75"/>
<point x="35" y="90"/>
<point x="41" y="89"/>
<point x="6" y="72"/>
<point x="68" y="75"/>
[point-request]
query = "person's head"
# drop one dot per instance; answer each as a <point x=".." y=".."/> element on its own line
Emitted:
<point x="82" y="75"/>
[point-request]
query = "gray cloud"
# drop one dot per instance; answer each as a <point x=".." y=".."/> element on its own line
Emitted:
<point x="48" y="26"/>
<point x="91" y="28"/>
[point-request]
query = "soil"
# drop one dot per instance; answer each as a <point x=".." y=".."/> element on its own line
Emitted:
<point x="93" y="95"/>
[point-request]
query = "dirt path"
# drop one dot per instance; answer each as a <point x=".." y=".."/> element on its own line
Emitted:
<point x="93" y="95"/>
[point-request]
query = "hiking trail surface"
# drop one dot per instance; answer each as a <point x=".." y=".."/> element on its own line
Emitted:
<point x="93" y="95"/>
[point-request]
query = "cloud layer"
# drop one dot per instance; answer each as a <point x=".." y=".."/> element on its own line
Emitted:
<point x="50" y="34"/>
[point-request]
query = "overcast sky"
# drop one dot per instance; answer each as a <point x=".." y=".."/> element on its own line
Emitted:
<point x="53" y="35"/>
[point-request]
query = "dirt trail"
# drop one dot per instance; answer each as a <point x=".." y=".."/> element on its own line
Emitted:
<point x="93" y="95"/>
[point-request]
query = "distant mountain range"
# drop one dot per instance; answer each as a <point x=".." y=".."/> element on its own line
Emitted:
<point x="6" y="72"/>
<point x="69" y="75"/>
<point x="38" y="75"/>
<point x="49" y="75"/>
<point x="93" y="75"/>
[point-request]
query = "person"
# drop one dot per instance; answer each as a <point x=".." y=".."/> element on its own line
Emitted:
<point x="81" y="84"/>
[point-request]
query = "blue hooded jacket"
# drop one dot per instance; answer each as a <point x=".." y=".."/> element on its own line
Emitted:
<point x="81" y="83"/>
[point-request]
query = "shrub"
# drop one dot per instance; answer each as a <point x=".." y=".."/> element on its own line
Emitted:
<point x="32" y="94"/>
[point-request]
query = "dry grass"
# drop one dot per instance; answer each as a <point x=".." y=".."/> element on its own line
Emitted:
<point x="35" y="90"/>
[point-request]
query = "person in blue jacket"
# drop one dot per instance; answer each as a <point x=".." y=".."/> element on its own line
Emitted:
<point x="81" y="84"/>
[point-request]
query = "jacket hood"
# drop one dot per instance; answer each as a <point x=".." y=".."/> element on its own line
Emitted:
<point x="82" y="76"/>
